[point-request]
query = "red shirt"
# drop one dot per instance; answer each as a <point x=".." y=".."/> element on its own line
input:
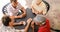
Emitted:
<point x="45" y="28"/>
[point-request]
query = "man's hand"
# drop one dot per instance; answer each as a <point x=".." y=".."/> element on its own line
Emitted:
<point x="34" y="10"/>
<point x="29" y="20"/>
<point x="22" y="22"/>
<point x="40" y="12"/>
<point x="20" y="16"/>
<point x="32" y="25"/>
<point x="28" y="24"/>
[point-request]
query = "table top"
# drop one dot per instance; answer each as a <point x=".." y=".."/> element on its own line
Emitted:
<point x="29" y="15"/>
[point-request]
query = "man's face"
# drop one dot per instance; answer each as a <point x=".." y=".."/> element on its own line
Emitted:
<point x="14" y="4"/>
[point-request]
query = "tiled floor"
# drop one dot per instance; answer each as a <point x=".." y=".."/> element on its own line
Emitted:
<point x="54" y="13"/>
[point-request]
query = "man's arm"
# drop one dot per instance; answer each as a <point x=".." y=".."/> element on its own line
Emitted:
<point x="27" y="27"/>
<point x="28" y="24"/>
<point x="32" y="25"/>
<point x="33" y="30"/>
<point x="12" y="18"/>
<point x="35" y="11"/>
<point x="20" y="23"/>
<point x="23" y="14"/>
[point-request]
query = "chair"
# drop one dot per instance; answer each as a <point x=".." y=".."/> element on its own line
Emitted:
<point x="47" y="5"/>
<point x="4" y="10"/>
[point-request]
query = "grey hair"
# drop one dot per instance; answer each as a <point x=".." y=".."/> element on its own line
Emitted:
<point x="40" y="19"/>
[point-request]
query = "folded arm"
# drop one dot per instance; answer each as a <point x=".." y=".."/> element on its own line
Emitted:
<point x="23" y="14"/>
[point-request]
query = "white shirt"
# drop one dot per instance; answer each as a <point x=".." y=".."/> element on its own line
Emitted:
<point x="28" y="3"/>
<point x="9" y="29"/>
<point x="12" y="11"/>
<point x="40" y="7"/>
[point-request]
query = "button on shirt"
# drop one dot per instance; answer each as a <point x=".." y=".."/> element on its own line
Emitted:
<point x="9" y="29"/>
<point x="13" y="11"/>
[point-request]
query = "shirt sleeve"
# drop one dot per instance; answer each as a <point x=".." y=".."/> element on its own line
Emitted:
<point x="20" y="6"/>
<point x="9" y="10"/>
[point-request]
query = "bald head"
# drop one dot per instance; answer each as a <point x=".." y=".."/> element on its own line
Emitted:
<point x="39" y="19"/>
